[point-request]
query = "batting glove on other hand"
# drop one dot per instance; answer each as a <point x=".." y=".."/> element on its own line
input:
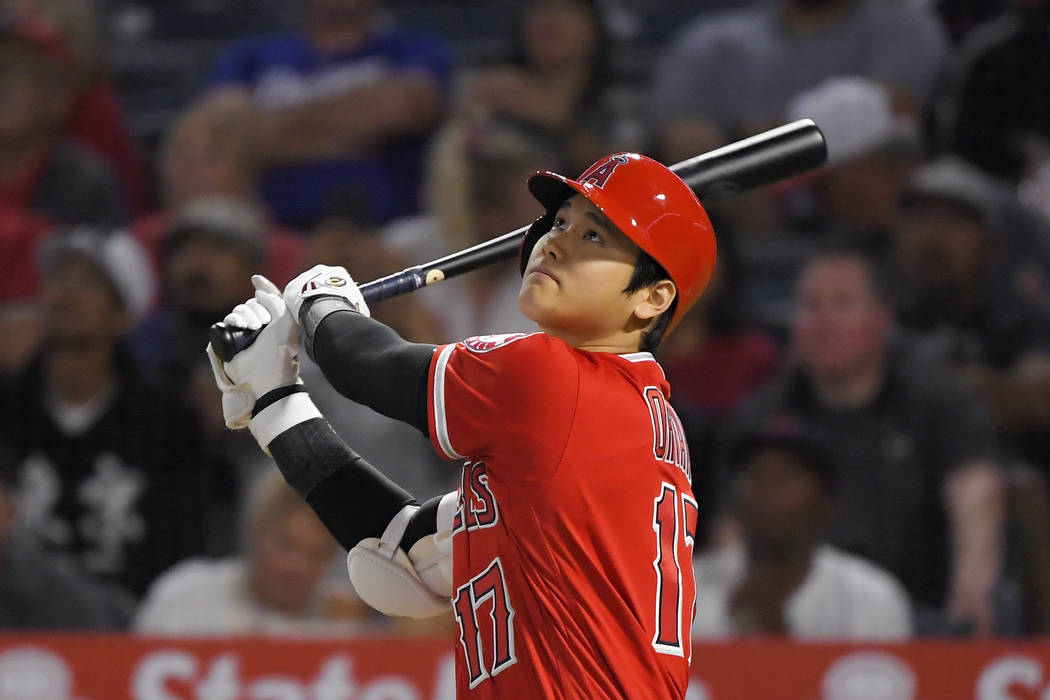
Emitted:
<point x="323" y="280"/>
<point x="270" y="362"/>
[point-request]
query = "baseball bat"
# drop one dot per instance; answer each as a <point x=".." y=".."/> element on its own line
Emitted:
<point x="759" y="160"/>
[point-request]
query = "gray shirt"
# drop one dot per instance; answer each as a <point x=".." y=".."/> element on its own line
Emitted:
<point x="738" y="69"/>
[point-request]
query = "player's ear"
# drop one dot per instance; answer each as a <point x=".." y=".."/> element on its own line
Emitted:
<point x="655" y="299"/>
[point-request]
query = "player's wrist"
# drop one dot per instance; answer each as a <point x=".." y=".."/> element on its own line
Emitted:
<point x="274" y="395"/>
<point x="279" y="410"/>
<point x="315" y="310"/>
<point x="324" y="303"/>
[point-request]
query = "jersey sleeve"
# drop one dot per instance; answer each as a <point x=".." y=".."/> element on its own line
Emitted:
<point x="512" y="395"/>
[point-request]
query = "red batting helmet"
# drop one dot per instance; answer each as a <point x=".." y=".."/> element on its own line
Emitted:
<point x="647" y="202"/>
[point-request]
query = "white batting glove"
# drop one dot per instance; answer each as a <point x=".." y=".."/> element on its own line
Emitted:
<point x="268" y="363"/>
<point x="323" y="280"/>
<point x="237" y="400"/>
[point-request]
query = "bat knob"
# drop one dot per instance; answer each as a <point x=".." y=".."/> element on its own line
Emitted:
<point x="227" y="341"/>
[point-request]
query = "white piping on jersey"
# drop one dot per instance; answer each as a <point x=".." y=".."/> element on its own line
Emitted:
<point x="638" y="356"/>
<point x="440" y="422"/>
<point x="643" y="357"/>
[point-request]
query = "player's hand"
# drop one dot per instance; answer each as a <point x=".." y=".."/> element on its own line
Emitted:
<point x="323" y="280"/>
<point x="237" y="400"/>
<point x="272" y="361"/>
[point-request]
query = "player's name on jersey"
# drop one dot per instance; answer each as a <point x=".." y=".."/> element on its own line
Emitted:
<point x="669" y="443"/>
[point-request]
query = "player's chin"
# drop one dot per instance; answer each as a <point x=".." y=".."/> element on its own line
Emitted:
<point x="537" y="303"/>
<point x="528" y="303"/>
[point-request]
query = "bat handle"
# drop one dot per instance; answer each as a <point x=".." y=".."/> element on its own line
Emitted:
<point x="230" y="340"/>
<point x="408" y="280"/>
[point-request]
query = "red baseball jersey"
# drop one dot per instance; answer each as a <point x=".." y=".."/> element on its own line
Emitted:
<point x="572" y="546"/>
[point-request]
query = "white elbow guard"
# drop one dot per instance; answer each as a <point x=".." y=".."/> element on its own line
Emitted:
<point x="413" y="584"/>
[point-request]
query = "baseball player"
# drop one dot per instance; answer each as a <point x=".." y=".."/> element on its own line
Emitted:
<point x="566" y="553"/>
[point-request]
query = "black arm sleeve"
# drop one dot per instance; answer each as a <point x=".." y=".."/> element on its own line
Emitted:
<point x="350" y="496"/>
<point x="371" y="364"/>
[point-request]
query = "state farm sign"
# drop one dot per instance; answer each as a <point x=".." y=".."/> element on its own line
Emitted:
<point x="115" y="667"/>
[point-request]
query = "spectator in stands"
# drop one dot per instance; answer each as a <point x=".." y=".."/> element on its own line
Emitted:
<point x="111" y="471"/>
<point x="976" y="290"/>
<point x="994" y="109"/>
<point x="872" y="152"/>
<point x="95" y="119"/>
<point x="782" y="578"/>
<point x="475" y="190"/>
<point x="976" y="285"/>
<point x="210" y="249"/>
<point x="40" y="591"/>
<point x="920" y="491"/>
<point x="555" y="81"/>
<point x="345" y="101"/>
<point x="274" y="587"/>
<point x="40" y="171"/>
<point x="732" y="74"/>
<point x="209" y="155"/>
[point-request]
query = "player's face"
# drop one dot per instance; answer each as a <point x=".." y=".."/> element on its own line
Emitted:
<point x="574" y="281"/>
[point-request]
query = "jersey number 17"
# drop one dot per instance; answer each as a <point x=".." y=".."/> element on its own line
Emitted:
<point x="674" y="522"/>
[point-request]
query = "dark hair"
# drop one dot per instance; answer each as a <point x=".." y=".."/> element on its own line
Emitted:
<point x="883" y="285"/>
<point x="648" y="272"/>
<point x="809" y="444"/>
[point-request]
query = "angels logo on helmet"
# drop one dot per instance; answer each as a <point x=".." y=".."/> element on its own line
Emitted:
<point x="599" y="173"/>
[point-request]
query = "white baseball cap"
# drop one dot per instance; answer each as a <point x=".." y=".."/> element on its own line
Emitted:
<point x="856" y="116"/>
<point x="117" y="255"/>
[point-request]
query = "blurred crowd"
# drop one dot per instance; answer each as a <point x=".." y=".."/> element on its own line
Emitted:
<point x="865" y="386"/>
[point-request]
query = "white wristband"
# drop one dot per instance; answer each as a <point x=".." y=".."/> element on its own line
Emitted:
<point x="282" y="415"/>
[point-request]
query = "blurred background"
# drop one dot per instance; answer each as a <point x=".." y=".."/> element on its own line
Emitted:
<point x="866" y="386"/>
